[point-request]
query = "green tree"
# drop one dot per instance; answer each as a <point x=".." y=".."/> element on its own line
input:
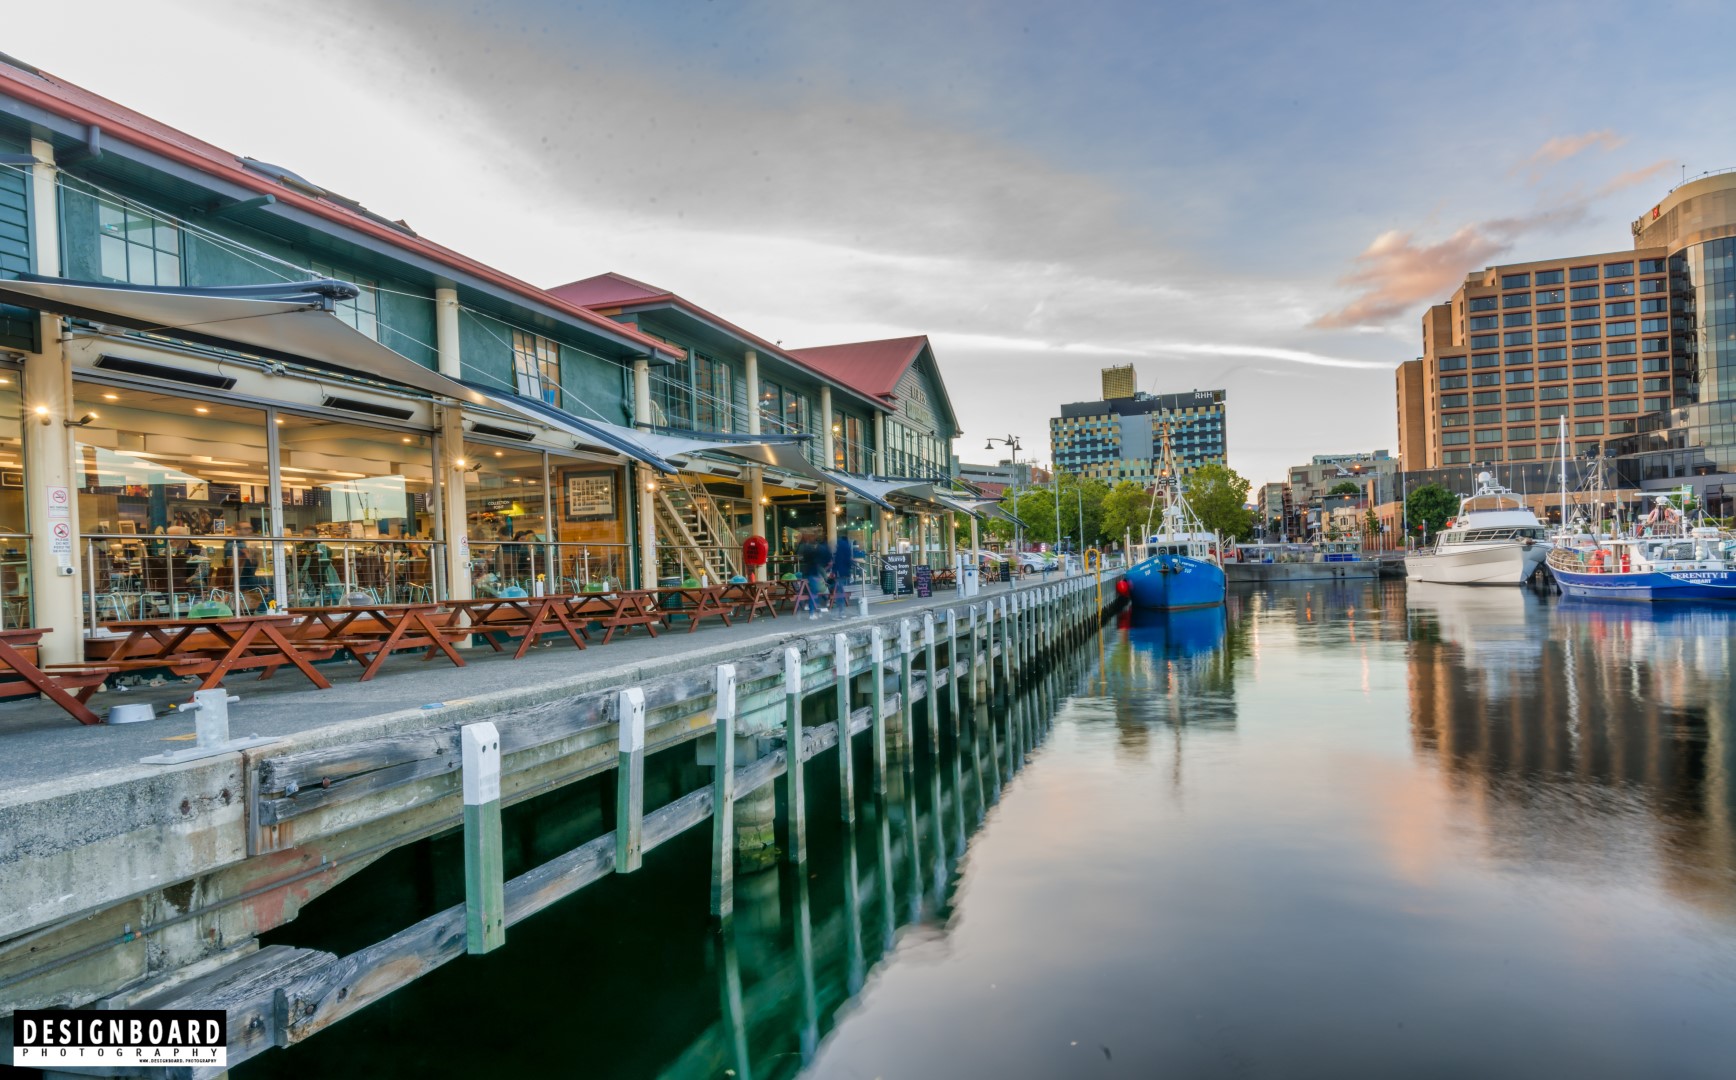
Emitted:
<point x="1125" y="510"/>
<point x="1346" y="487"/>
<point x="1430" y="506"/>
<point x="1370" y="527"/>
<point x="1220" y="497"/>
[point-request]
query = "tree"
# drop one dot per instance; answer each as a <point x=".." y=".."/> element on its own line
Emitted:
<point x="1370" y="528"/>
<point x="1126" y="508"/>
<point x="1219" y="497"/>
<point x="1346" y="487"/>
<point x="1430" y="506"/>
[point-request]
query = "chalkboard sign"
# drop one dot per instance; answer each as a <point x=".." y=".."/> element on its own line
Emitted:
<point x="895" y="575"/>
<point x="924" y="580"/>
<point x="1007" y="570"/>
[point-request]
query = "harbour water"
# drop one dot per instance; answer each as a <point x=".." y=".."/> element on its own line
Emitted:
<point x="1346" y="830"/>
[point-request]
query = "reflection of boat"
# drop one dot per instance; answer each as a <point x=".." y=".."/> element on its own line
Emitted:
<point x="1495" y="540"/>
<point x="1487" y="623"/>
<point x="1177" y="635"/>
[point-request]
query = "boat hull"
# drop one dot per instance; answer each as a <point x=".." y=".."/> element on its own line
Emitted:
<point x="1651" y="586"/>
<point x="1506" y="563"/>
<point x="1172" y="582"/>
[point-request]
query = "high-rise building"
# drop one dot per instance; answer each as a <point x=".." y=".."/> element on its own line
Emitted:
<point x="1122" y="438"/>
<point x="1119" y="382"/>
<point x="1635" y="350"/>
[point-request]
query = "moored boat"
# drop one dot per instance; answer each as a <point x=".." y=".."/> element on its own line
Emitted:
<point x="1696" y="565"/>
<point x="1179" y="566"/>
<point x="1494" y="540"/>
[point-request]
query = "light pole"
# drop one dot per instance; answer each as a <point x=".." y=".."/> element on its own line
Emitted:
<point x="1011" y="442"/>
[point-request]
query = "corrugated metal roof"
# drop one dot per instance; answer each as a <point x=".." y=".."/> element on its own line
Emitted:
<point x="870" y="367"/>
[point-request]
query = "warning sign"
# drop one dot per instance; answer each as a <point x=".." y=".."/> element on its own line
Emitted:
<point x="61" y="544"/>
<point x="59" y="502"/>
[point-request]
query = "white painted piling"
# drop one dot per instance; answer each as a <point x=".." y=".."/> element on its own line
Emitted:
<point x="723" y="797"/>
<point x="484" y="863"/>
<point x="630" y="780"/>
<point x="846" y="766"/>
<point x="798" y="832"/>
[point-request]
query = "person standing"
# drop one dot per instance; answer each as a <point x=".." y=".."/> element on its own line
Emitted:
<point x="843" y="561"/>
<point x="813" y="557"/>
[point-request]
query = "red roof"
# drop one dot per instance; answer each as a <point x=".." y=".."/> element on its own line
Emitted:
<point x="609" y="290"/>
<point x="116" y="121"/>
<point x="870" y="367"/>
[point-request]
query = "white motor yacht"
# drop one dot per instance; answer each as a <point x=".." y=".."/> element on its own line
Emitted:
<point x="1494" y="540"/>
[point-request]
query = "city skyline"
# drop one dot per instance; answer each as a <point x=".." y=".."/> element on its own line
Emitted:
<point x="1042" y="193"/>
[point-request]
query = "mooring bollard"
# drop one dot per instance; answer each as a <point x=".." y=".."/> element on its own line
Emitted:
<point x="933" y="703"/>
<point x="723" y="798"/>
<point x="877" y="702"/>
<point x="846" y="767"/>
<point x="484" y="866"/>
<point x="629" y="779"/>
<point x="798" y="849"/>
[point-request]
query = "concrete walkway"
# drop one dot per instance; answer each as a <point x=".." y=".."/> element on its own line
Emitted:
<point x="44" y="746"/>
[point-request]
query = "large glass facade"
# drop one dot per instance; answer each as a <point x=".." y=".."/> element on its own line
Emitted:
<point x="15" y="607"/>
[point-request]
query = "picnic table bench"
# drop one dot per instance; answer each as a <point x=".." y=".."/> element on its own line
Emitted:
<point x="694" y="601"/>
<point x="619" y="610"/>
<point x="754" y="596"/>
<point x="20" y="673"/>
<point x="529" y="618"/>
<point x="372" y="632"/>
<point x="211" y="647"/>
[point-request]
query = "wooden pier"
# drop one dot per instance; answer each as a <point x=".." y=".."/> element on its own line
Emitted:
<point x="316" y="817"/>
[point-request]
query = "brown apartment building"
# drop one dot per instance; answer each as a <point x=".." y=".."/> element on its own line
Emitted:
<point x="1634" y="349"/>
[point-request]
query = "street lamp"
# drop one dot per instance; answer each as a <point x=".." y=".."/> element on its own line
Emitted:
<point x="1011" y="442"/>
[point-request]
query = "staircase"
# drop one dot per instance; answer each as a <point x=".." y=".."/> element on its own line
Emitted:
<point x="689" y="529"/>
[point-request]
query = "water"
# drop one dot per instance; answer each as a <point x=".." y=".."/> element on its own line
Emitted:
<point x="1335" y="832"/>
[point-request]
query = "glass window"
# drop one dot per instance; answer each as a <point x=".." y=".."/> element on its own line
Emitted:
<point x="1521" y="453"/>
<point x="1620" y="269"/>
<point x="1518" y="299"/>
<point x="1523" y="356"/>
<point x="1651" y="266"/>
<point x="1583" y="273"/>
<point x="506" y="513"/>
<point x="536" y="366"/>
<point x="1619" y="329"/>
<point x="1455" y="419"/>
<point x="137" y="248"/>
<point x="1550" y="296"/>
<point x="1515" y="281"/>
<point x="1551" y="412"/>
<point x="1554" y="334"/>
<point x="1657" y="404"/>
<point x="1548" y="277"/>
<point x="1621" y="367"/>
<point x="1654" y="385"/>
<point x="1455" y="438"/>
<point x="1619" y="288"/>
<point x="1623" y="348"/>
<point x="1519" y="434"/>
<point x="1553" y="315"/>
<point x="1518" y="395"/>
<point x="1484" y="322"/>
<point x="1456" y="457"/>
<point x="1486" y="378"/>
<point x="712" y="396"/>
<point x="1655" y="363"/>
<point x="1588" y="408"/>
<point x="1618" y="408"/>
<point x="1584" y="292"/>
<point x="1486" y="360"/>
<point x="1586" y="352"/>
<point x="1625" y="307"/>
<point x="1519" y="376"/>
<point x="1545" y="356"/>
<point x="1518" y="337"/>
<point x="1485" y="341"/>
<point x="1654" y="326"/>
<point x="1587" y="371"/>
<point x="362" y="312"/>
<point x="1492" y="416"/>
<point x="1452" y="401"/>
<point x="1585" y="390"/>
<point x="1551" y="374"/>
<point x="1654" y="285"/>
<point x="1593" y="428"/>
<point x="1590" y="311"/>
<point x="1590" y="330"/>
<point x="1655" y="306"/>
<point x="1516" y="318"/>
<point x="1493" y="435"/>
<point x="1482" y="303"/>
<point x="1452" y="363"/>
<point x="1486" y="397"/>
<point x="1515" y="415"/>
<point x="1624" y="386"/>
<point x="1552" y="393"/>
<point x="1657" y="345"/>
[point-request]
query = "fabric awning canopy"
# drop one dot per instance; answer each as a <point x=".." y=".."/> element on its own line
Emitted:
<point x="285" y="322"/>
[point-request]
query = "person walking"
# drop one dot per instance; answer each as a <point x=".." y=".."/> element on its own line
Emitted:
<point x="843" y="560"/>
<point x="813" y="557"/>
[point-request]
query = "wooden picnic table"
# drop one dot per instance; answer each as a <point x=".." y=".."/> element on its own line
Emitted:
<point x="52" y="682"/>
<point x="213" y="647"/>
<point x="527" y="617"/>
<point x="752" y="595"/>
<point x="790" y="592"/>
<point x="619" y="610"/>
<point x="372" y="632"/>
<point x="696" y="602"/>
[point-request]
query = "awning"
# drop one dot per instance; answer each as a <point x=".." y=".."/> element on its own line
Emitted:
<point x="287" y="322"/>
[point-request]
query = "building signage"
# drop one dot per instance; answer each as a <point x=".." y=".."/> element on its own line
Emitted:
<point x="59" y="502"/>
<point x="61" y="544"/>
<point x="924" y="577"/>
<point x="895" y="574"/>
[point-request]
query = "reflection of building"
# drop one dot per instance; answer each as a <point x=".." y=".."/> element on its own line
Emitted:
<point x="378" y="413"/>
<point x="1122" y="438"/>
<point x="1566" y="738"/>
<point x="1629" y="347"/>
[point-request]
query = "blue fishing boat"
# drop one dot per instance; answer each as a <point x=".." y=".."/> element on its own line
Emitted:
<point x="1697" y="565"/>
<point x="1178" y="566"/>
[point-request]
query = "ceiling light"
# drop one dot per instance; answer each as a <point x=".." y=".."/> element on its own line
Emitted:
<point x="200" y="409"/>
<point x="111" y="397"/>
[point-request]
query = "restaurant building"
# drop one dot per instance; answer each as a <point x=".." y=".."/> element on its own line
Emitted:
<point x="221" y="383"/>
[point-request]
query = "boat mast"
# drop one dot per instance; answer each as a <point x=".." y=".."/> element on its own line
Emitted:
<point x="1562" y="420"/>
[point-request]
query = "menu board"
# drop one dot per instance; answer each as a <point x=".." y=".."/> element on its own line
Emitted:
<point x="895" y="575"/>
<point x="924" y="580"/>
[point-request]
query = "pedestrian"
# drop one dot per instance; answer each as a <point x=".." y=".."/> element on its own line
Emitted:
<point x="813" y="557"/>
<point x="843" y="560"/>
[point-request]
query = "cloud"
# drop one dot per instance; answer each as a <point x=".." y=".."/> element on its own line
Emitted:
<point x="1395" y="273"/>
<point x="1635" y="177"/>
<point x="1562" y="147"/>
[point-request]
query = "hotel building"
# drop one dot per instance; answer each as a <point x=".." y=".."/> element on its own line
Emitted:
<point x="1122" y="438"/>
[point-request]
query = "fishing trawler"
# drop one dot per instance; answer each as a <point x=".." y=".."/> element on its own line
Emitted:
<point x="1494" y="540"/>
<point x="1179" y="564"/>
<point x="1671" y="559"/>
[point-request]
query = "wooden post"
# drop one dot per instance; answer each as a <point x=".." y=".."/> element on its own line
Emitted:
<point x="723" y="798"/>
<point x="933" y="709"/>
<point x="846" y="767"/>
<point x="877" y="702"/>
<point x="1007" y="644"/>
<point x="952" y="675"/>
<point x="989" y="650"/>
<point x="906" y="715"/>
<point x="484" y="866"/>
<point x="971" y="658"/>
<point x="629" y="780"/>
<point x="798" y="848"/>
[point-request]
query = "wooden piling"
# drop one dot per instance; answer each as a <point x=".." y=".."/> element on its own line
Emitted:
<point x="723" y="798"/>
<point x="906" y="712"/>
<point x="989" y="650"/>
<point x="877" y="702"/>
<point x="629" y="780"/>
<point x="797" y="851"/>
<point x="846" y="765"/>
<point x="484" y="864"/>
<point x="952" y="675"/>
<point x="931" y="701"/>
<point x="971" y="658"/>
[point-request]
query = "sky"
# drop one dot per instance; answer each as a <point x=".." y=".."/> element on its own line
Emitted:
<point x="1262" y="198"/>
